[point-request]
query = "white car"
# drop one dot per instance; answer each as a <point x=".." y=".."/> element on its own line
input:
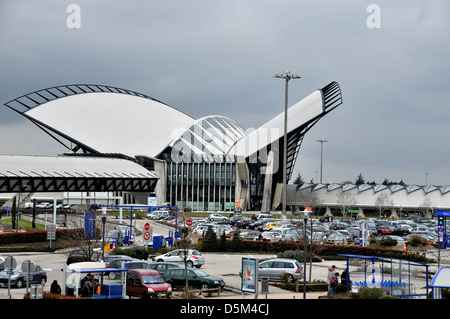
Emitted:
<point x="271" y="236"/>
<point x="216" y="217"/>
<point x="194" y="257"/>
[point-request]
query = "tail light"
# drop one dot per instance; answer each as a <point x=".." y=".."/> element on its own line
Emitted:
<point x="297" y="271"/>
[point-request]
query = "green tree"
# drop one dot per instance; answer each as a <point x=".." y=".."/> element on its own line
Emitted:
<point x="360" y="180"/>
<point x="237" y="244"/>
<point x="298" y="182"/>
<point x="13" y="214"/>
<point x="210" y="242"/>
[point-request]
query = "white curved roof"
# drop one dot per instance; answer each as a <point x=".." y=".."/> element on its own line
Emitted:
<point x="113" y="123"/>
<point x="299" y="114"/>
<point x="209" y="135"/>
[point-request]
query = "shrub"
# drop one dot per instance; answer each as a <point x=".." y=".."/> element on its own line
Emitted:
<point x="210" y="242"/>
<point x="135" y="252"/>
<point x="369" y="293"/>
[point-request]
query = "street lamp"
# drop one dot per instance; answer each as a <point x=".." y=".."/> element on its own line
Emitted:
<point x="305" y="221"/>
<point x="103" y="238"/>
<point x="321" y="141"/>
<point x="287" y="76"/>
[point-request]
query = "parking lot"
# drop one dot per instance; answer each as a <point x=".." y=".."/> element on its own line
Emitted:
<point x="225" y="265"/>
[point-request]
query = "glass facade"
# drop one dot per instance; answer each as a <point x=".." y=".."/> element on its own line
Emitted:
<point x="202" y="185"/>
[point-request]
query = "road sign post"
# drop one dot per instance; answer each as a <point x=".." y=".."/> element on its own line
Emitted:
<point x="28" y="269"/>
<point x="147" y="234"/>
<point x="10" y="264"/>
<point x="51" y="233"/>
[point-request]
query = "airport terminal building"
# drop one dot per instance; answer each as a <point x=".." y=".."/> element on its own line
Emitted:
<point x="210" y="163"/>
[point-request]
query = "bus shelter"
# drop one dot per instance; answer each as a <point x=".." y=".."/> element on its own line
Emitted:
<point x="75" y="274"/>
<point x="440" y="282"/>
<point x="397" y="277"/>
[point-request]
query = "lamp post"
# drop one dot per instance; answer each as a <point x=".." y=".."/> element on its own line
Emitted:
<point x="287" y="76"/>
<point x="103" y="237"/>
<point x="305" y="221"/>
<point x="321" y="141"/>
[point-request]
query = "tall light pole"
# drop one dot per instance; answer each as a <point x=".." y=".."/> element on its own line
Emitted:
<point x="321" y="141"/>
<point x="287" y="76"/>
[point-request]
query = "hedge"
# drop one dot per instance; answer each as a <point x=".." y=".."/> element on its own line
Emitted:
<point x="32" y="236"/>
<point x="323" y="249"/>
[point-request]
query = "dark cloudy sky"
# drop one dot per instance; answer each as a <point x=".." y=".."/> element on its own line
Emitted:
<point x="208" y="57"/>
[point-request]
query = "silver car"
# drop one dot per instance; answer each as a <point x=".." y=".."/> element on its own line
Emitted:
<point x="289" y="270"/>
<point x="193" y="258"/>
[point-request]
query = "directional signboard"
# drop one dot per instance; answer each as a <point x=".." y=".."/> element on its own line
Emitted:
<point x="442" y="228"/>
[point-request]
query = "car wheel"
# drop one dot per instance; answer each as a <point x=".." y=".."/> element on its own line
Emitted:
<point x="204" y="286"/>
<point x="160" y="260"/>
<point x="43" y="280"/>
<point x="112" y="275"/>
<point x="19" y="283"/>
<point x="190" y="264"/>
<point x="289" y="278"/>
<point x="198" y="266"/>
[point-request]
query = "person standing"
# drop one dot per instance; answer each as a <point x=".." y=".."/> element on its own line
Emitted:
<point x="330" y="277"/>
<point x="55" y="288"/>
<point x="334" y="282"/>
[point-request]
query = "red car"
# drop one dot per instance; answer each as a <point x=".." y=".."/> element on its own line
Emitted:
<point x="384" y="230"/>
<point x="147" y="283"/>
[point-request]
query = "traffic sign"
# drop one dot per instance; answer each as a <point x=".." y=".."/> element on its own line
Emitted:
<point x="51" y="232"/>
<point x="28" y="267"/>
<point x="10" y="263"/>
<point x="146" y="236"/>
<point x="147" y="226"/>
<point x="189" y="222"/>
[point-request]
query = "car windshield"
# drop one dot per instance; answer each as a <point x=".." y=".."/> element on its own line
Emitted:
<point x="152" y="279"/>
<point x="200" y="273"/>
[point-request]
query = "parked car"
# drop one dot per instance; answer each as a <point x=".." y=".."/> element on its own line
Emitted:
<point x="162" y="266"/>
<point x="147" y="283"/>
<point x="337" y="238"/>
<point x="128" y="263"/>
<point x="196" y="278"/>
<point x="384" y="230"/>
<point x="250" y="235"/>
<point x="109" y="258"/>
<point x="115" y="235"/>
<point x="273" y="225"/>
<point x="216" y="217"/>
<point x="18" y="278"/>
<point x="264" y="216"/>
<point x="281" y="268"/>
<point x="80" y="255"/>
<point x="271" y="236"/>
<point x="194" y="257"/>
<point x="402" y="230"/>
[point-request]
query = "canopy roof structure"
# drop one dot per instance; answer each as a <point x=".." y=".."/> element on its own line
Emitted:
<point x="72" y="173"/>
<point x="103" y="119"/>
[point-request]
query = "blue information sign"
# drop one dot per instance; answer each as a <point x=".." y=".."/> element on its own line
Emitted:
<point x="442" y="228"/>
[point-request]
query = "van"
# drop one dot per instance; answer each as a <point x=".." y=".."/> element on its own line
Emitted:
<point x="147" y="283"/>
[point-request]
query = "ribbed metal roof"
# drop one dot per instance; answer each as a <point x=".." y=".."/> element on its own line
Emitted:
<point x="70" y="167"/>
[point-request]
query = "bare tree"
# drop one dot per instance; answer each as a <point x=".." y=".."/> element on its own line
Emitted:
<point x="383" y="202"/>
<point x="345" y="200"/>
<point x="426" y="207"/>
